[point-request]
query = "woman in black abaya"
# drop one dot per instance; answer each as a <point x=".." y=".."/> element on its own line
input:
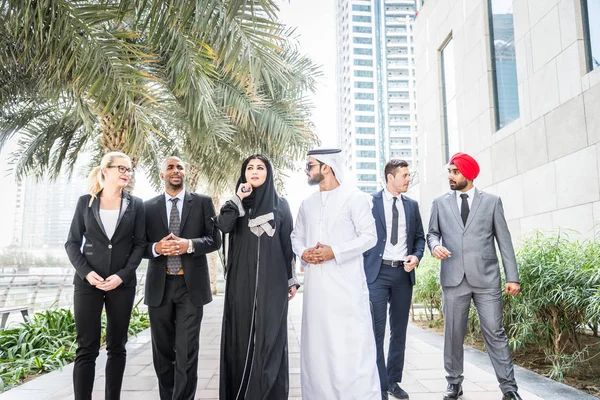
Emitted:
<point x="260" y="281"/>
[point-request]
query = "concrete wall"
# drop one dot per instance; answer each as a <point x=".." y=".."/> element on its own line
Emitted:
<point x="545" y="165"/>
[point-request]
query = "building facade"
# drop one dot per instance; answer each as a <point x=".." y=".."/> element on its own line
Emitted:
<point x="516" y="84"/>
<point x="376" y="86"/>
<point x="43" y="212"/>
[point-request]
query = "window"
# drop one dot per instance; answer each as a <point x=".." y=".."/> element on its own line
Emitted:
<point x="401" y="8"/>
<point x="361" y="18"/>
<point x="365" y="142"/>
<point x="364" y="52"/>
<point x="504" y="65"/>
<point x="590" y="10"/>
<point x="365" y="154"/>
<point x="364" y="96"/>
<point x="361" y="29"/>
<point x="359" y="73"/>
<point x="399" y="141"/>
<point x="450" y="114"/>
<point x="367" y="189"/>
<point x="366" y="165"/>
<point x="363" y="85"/>
<point x="364" y="63"/>
<point x="365" y="131"/>
<point x="364" y="107"/>
<point x="366" y="177"/>
<point x="364" y="118"/>
<point x="362" y="40"/>
<point x="356" y="7"/>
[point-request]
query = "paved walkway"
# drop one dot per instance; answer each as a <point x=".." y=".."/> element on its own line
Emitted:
<point x="423" y="380"/>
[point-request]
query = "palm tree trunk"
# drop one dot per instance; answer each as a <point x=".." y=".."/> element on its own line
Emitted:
<point x="214" y="261"/>
<point x="115" y="139"/>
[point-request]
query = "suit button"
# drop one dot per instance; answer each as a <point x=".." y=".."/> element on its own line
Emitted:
<point x="384" y="240"/>
<point x="380" y="255"/>
<point x="110" y="246"/>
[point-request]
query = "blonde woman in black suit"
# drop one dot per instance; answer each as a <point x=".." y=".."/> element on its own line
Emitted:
<point x="105" y="245"/>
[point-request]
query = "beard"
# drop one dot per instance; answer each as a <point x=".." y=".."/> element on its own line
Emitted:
<point x="315" y="179"/>
<point x="459" y="186"/>
<point x="172" y="185"/>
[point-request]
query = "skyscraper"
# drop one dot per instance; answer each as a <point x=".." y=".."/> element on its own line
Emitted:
<point x="44" y="210"/>
<point x="376" y="86"/>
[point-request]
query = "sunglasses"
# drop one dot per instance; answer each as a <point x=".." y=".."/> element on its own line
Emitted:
<point x="309" y="166"/>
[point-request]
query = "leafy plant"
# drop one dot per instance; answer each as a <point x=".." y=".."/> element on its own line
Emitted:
<point x="427" y="290"/>
<point x="560" y="281"/>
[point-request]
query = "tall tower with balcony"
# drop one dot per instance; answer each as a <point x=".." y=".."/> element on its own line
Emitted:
<point x="376" y="86"/>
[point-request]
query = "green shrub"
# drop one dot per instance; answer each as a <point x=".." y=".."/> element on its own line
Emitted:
<point x="427" y="290"/>
<point x="560" y="282"/>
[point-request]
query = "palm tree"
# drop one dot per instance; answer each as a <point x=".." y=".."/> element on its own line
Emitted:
<point x="136" y="75"/>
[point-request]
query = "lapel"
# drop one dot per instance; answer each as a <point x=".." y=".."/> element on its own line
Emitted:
<point x="378" y="204"/>
<point x="474" y="207"/>
<point x="96" y="212"/>
<point x="407" y="214"/>
<point x="162" y="211"/>
<point x="185" y="209"/>
<point x="451" y="202"/>
<point x="125" y="200"/>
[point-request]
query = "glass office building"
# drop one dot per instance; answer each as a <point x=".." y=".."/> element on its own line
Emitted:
<point x="376" y="86"/>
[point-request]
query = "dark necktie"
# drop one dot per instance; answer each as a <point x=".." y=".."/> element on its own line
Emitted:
<point x="174" y="262"/>
<point x="394" y="238"/>
<point x="464" y="208"/>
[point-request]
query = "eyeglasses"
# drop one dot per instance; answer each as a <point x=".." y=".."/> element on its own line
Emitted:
<point x="309" y="166"/>
<point x="122" y="169"/>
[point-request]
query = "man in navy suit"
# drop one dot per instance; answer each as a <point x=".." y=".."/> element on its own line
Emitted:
<point x="389" y="267"/>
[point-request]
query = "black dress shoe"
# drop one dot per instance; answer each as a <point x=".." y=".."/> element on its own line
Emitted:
<point x="453" y="391"/>
<point x="511" y="396"/>
<point x="384" y="396"/>
<point x="396" y="391"/>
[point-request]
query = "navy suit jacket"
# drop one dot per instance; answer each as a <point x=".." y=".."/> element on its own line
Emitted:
<point x="415" y="236"/>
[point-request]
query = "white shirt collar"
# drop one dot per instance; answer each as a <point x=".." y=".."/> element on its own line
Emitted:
<point x="470" y="192"/>
<point x="389" y="196"/>
<point x="180" y="196"/>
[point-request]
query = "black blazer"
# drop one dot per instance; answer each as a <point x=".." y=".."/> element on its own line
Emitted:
<point x="197" y="224"/>
<point x="415" y="237"/>
<point x="120" y="255"/>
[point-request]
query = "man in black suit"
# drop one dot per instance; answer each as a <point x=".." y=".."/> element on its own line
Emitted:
<point x="389" y="267"/>
<point x="180" y="232"/>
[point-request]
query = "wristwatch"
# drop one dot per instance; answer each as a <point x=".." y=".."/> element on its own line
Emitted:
<point x="190" y="248"/>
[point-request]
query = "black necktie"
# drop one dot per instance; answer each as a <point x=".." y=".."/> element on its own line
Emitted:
<point x="394" y="238"/>
<point x="174" y="262"/>
<point x="464" y="208"/>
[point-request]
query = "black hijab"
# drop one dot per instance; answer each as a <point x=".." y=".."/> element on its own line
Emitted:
<point x="262" y="202"/>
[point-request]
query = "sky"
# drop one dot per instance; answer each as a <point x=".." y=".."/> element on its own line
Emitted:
<point x="314" y="21"/>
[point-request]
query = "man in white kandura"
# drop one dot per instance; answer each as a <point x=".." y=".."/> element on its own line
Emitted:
<point x="334" y="227"/>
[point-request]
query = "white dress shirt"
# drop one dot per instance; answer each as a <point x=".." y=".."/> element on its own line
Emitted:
<point x="109" y="220"/>
<point x="169" y="204"/>
<point x="400" y="250"/>
<point x="470" y="192"/>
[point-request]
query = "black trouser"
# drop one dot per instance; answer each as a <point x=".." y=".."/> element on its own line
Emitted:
<point x="88" y="304"/>
<point x="394" y="287"/>
<point x="175" y="328"/>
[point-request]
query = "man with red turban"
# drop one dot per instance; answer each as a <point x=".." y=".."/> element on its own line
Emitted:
<point x="462" y="229"/>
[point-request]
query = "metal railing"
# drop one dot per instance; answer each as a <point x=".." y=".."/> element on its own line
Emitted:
<point x="39" y="292"/>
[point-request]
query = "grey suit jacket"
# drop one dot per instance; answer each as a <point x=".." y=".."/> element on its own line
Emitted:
<point x="472" y="245"/>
